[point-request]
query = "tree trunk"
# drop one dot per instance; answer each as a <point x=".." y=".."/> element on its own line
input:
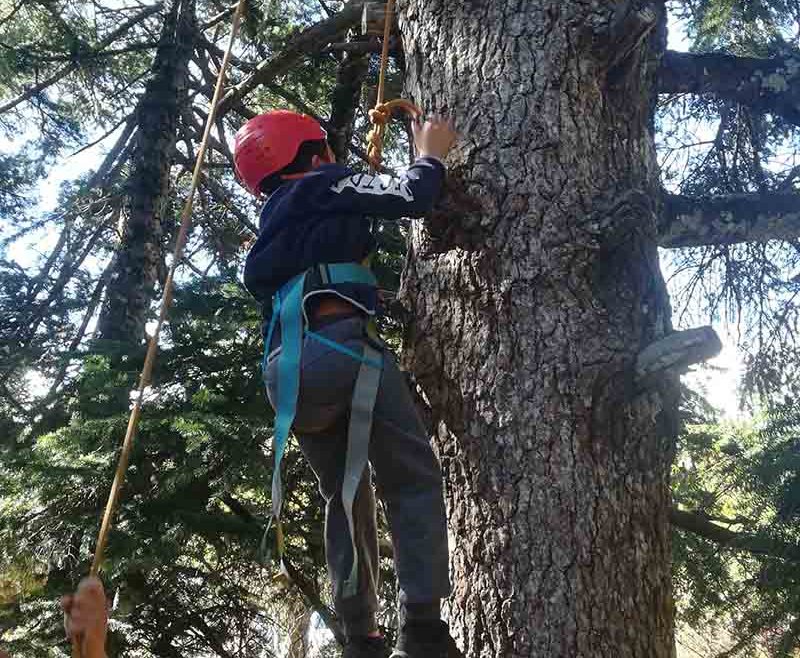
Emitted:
<point x="141" y="255"/>
<point x="533" y="292"/>
<point x="345" y="99"/>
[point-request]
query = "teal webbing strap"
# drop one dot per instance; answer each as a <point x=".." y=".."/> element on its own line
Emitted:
<point x="358" y="435"/>
<point x="351" y="273"/>
<point x="344" y="350"/>
<point x="291" y="317"/>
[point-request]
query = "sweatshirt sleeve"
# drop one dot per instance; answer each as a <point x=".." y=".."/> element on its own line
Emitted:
<point x="410" y="195"/>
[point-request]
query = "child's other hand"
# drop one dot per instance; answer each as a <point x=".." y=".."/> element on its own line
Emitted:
<point x="86" y="617"/>
<point x="434" y="137"/>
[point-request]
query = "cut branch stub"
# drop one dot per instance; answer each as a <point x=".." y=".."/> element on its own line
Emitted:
<point x="677" y="352"/>
<point x="373" y="19"/>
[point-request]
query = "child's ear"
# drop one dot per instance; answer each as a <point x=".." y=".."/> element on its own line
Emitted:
<point x="327" y="158"/>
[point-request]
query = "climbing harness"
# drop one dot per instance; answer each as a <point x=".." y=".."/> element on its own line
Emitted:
<point x="290" y="316"/>
<point x="166" y="301"/>
<point x="381" y="114"/>
<point x="289" y="313"/>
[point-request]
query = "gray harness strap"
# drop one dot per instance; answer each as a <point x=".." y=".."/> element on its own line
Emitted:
<point x="358" y="436"/>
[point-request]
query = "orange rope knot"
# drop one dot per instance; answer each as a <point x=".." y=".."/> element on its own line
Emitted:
<point x="380" y="116"/>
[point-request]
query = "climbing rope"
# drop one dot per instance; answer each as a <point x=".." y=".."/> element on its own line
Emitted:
<point x="381" y="114"/>
<point x="166" y="301"/>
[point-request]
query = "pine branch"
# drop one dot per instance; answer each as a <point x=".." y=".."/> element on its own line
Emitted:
<point x="111" y="52"/>
<point x="12" y="13"/>
<point x="766" y="85"/>
<point x="110" y="131"/>
<point x="751" y="543"/>
<point x="306" y="587"/>
<point x="728" y="219"/>
<point x="64" y="71"/>
<point x="215" y="20"/>
<point x="309" y="41"/>
<point x="220" y="194"/>
<point x="68" y="271"/>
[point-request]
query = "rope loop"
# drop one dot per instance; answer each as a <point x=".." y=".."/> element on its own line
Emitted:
<point x="380" y="116"/>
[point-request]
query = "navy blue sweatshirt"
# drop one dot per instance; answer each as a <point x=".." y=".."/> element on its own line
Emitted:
<point x="324" y="218"/>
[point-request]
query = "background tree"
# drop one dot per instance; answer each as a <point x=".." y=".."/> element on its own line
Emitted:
<point x="537" y="320"/>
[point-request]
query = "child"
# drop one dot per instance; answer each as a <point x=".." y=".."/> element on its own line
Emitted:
<point x="333" y="382"/>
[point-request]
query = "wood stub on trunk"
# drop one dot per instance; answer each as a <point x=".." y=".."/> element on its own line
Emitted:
<point x="677" y="351"/>
<point x="531" y="299"/>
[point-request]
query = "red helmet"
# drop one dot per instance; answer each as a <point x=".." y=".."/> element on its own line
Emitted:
<point x="269" y="142"/>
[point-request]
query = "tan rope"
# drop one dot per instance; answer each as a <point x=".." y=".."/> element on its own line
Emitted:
<point x="381" y="114"/>
<point x="166" y="301"/>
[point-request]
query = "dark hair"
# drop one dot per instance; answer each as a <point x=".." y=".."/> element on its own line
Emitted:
<point x="301" y="163"/>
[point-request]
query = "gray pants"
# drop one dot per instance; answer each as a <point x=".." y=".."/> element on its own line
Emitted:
<point x="407" y="473"/>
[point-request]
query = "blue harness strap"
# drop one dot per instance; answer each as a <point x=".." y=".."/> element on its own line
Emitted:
<point x="291" y="319"/>
<point x="350" y="273"/>
<point x="287" y="309"/>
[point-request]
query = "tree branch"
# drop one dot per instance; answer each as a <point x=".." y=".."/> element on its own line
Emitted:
<point x="223" y="15"/>
<point x="12" y="13"/>
<point x="767" y="85"/>
<point x="69" y="68"/>
<point x="306" y="587"/>
<point x="728" y="219"/>
<point x="312" y="40"/>
<point x="758" y="545"/>
<point x="219" y="193"/>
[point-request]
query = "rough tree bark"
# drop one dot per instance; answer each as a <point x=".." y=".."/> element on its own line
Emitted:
<point x="140" y="257"/>
<point x="532" y="294"/>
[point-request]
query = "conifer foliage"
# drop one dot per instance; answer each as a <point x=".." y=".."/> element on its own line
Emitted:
<point x="108" y="100"/>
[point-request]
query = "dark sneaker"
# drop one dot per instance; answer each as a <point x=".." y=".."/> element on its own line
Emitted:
<point x="425" y="640"/>
<point x="365" y="647"/>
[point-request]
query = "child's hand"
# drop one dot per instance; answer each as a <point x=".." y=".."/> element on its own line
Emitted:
<point x="434" y="137"/>
<point x="86" y="617"/>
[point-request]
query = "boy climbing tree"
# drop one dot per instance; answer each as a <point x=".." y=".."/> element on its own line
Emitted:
<point x="330" y="378"/>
